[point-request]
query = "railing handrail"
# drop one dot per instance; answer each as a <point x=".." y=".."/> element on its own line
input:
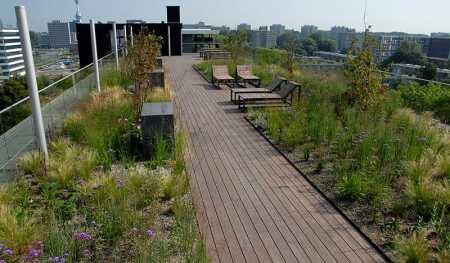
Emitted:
<point x="49" y="86"/>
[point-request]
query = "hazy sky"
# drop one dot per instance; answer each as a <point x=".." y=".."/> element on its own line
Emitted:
<point x="413" y="16"/>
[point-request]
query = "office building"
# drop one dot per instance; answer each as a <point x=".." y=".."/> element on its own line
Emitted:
<point x="11" y="57"/>
<point x="277" y="29"/>
<point x="439" y="48"/>
<point x="59" y="34"/>
<point x="244" y="26"/>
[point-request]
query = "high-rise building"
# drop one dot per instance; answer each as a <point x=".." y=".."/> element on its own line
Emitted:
<point x="60" y="34"/>
<point x="309" y="29"/>
<point x="11" y="57"/>
<point x="263" y="28"/>
<point x="244" y="26"/>
<point x="277" y="29"/>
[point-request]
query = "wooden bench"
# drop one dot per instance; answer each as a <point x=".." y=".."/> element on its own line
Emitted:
<point x="244" y="73"/>
<point x="220" y="75"/>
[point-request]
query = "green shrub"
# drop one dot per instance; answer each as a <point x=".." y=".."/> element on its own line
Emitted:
<point x="415" y="249"/>
<point x="31" y="163"/>
<point x="351" y="187"/>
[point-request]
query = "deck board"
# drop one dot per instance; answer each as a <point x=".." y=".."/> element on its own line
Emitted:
<point x="252" y="205"/>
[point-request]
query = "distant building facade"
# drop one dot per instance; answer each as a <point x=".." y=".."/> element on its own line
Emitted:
<point x="196" y="39"/>
<point x="336" y="30"/>
<point x="263" y="39"/>
<point x="388" y="44"/>
<point x="440" y="35"/>
<point x="309" y="29"/>
<point x="345" y="40"/>
<point x="60" y="34"/>
<point x="11" y="56"/>
<point x="44" y="41"/>
<point x="277" y="29"/>
<point x="439" y="48"/>
<point x="244" y="26"/>
<point x="135" y="21"/>
<point x="416" y="71"/>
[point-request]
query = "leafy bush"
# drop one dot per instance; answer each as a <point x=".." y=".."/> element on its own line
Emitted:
<point x="432" y="97"/>
<point x="351" y="187"/>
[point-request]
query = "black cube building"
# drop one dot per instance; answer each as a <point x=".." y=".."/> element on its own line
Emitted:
<point x="104" y="33"/>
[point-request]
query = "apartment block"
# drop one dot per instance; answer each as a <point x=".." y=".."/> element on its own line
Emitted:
<point x="11" y="57"/>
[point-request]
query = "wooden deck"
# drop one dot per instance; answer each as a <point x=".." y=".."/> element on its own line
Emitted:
<point x="252" y="206"/>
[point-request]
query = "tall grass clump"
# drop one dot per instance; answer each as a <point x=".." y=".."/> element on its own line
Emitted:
<point x="106" y="122"/>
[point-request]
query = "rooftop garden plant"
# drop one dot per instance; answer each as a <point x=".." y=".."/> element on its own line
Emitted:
<point x="383" y="164"/>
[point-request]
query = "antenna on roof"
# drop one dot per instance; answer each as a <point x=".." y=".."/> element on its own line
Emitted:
<point x="78" y="13"/>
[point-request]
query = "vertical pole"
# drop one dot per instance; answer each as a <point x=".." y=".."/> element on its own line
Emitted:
<point x="94" y="55"/>
<point x="22" y="22"/>
<point x="131" y="36"/>
<point x="125" y="39"/>
<point x="168" y="40"/>
<point x="116" y="52"/>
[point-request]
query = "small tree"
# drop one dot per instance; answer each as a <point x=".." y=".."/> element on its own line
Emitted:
<point x="139" y="63"/>
<point x="429" y="71"/>
<point x="292" y="46"/>
<point x="235" y="43"/>
<point x="363" y="74"/>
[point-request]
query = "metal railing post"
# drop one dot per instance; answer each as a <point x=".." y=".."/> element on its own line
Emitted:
<point x="125" y="39"/>
<point x="22" y="23"/>
<point x="131" y="36"/>
<point x="116" y="52"/>
<point x="94" y="55"/>
<point x="168" y="40"/>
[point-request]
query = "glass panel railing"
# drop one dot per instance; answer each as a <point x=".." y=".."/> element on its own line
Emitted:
<point x="57" y="101"/>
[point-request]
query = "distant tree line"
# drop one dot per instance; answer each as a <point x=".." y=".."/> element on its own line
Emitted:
<point x="306" y="45"/>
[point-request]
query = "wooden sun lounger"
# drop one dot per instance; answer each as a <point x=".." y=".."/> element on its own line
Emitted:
<point x="276" y="83"/>
<point x="221" y="75"/>
<point x="244" y="73"/>
<point x="283" y="96"/>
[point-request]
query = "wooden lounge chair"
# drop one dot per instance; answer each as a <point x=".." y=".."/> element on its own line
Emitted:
<point x="244" y="73"/>
<point x="221" y="75"/>
<point x="283" y="96"/>
<point x="276" y="83"/>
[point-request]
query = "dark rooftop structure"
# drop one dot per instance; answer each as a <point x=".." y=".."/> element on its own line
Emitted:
<point x="104" y="32"/>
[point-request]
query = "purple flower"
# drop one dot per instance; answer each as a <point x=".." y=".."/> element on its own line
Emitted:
<point x="151" y="233"/>
<point x="83" y="236"/>
<point x="8" y="251"/>
<point x="87" y="253"/>
<point x="120" y="183"/>
<point x="2" y="261"/>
